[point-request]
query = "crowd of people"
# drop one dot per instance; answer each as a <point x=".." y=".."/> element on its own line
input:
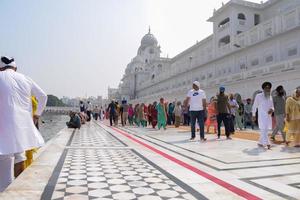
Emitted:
<point x="85" y="114"/>
<point x="264" y="111"/>
<point x="22" y="102"/>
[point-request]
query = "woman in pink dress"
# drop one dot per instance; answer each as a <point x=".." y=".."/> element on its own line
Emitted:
<point x="212" y="117"/>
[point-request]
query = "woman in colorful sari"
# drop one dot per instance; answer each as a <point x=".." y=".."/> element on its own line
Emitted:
<point x="212" y="116"/>
<point x="130" y="114"/>
<point x="161" y="114"/>
<point x="141" y="114"/>
<point x="177" y="113"/>
<point x="136" y="114"/>
<point x="292" y="109"/>
<point x="145" y="115"/>
<point x="154" y="114"/>
<point x="149" y="110"/>
<point x="239" y="112"/>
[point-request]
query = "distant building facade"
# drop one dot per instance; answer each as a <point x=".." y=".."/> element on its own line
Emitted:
<point x="113" y="94"/>
<point x="250" y="43"/>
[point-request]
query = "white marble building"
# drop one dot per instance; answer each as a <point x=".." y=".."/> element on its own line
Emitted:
<point x="251" y="43"/>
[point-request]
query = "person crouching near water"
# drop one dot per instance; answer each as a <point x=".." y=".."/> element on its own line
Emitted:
<point x="75" y="121"/>
<point x="18" y="132"/>
<point x="264" y="103"/>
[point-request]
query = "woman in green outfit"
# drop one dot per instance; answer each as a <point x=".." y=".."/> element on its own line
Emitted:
<point x="142" y="117"/>
<point x="136" y="114"/>
<point x="161" y="114"/>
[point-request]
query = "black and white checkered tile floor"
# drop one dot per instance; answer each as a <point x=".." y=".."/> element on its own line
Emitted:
<point x="95" y="137"/>
<point x="112" y="173"/>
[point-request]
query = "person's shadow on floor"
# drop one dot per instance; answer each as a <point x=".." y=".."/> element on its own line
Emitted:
<point x="290" y="149"/>
<point x="254" y="151"/>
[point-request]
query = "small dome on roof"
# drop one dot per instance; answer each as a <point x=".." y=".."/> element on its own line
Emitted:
<point x="148" y="39"/>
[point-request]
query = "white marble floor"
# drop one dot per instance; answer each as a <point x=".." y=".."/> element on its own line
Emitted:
<point x="102" y="162"/>
<point x="268" y="174"/>
<point x="99" y="165"/>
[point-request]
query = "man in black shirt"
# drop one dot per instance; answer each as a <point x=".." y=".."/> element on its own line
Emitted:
<point x="222" y="110"/>
<point x="112" y="112"/>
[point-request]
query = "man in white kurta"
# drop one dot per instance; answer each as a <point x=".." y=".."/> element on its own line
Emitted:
<point x="17" y="130"/>
<point x="264" y="103"/>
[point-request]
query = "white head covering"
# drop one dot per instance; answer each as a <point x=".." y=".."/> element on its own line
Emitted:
<point x="6" y="61"/>
<point x="196" y="83"/>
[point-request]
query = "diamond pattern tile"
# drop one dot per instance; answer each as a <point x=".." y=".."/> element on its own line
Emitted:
<point x="93" y="137"/>
<point x="113" y="174"/>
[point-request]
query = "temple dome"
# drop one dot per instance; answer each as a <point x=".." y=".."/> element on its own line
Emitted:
<point x="148" y="40"/>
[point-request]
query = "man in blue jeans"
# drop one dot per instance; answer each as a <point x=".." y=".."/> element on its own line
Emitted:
<point x="197" y="100"/>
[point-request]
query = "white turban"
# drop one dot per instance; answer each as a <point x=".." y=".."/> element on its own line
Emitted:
<point x="7" y="62"/>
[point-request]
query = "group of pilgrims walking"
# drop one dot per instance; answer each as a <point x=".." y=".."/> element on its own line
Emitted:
<point x="267" y="111"/>
<point x="22" y="102"/>
<point x="156" y="114"/>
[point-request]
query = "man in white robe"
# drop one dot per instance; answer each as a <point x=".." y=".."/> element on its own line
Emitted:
<point x="17" y="130"/>
<point x="264" y="103"/>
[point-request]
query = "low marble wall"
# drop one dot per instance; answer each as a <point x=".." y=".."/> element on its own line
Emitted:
<point x="31" y="183"/>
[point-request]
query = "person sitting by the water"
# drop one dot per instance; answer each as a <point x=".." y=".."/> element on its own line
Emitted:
<point x="82" y="117"/>
<point x="74" y="120"/>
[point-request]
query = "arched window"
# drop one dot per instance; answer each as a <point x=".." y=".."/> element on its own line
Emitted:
<point x="241" y="16"/>
<point x="159" y="66"/>
<point x="225" y="21"/>
<point x="224" y="41"/>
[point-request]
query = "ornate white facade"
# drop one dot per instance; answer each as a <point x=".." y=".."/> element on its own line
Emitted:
<point x="251" y="43"/>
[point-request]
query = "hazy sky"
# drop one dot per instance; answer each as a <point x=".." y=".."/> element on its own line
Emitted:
<point x="80" y="47"/>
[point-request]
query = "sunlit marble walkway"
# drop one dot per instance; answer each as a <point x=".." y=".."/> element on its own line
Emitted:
<point x="102" y="162"/>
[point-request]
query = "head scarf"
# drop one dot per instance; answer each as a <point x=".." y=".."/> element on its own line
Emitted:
<point x="294" y="94"/>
